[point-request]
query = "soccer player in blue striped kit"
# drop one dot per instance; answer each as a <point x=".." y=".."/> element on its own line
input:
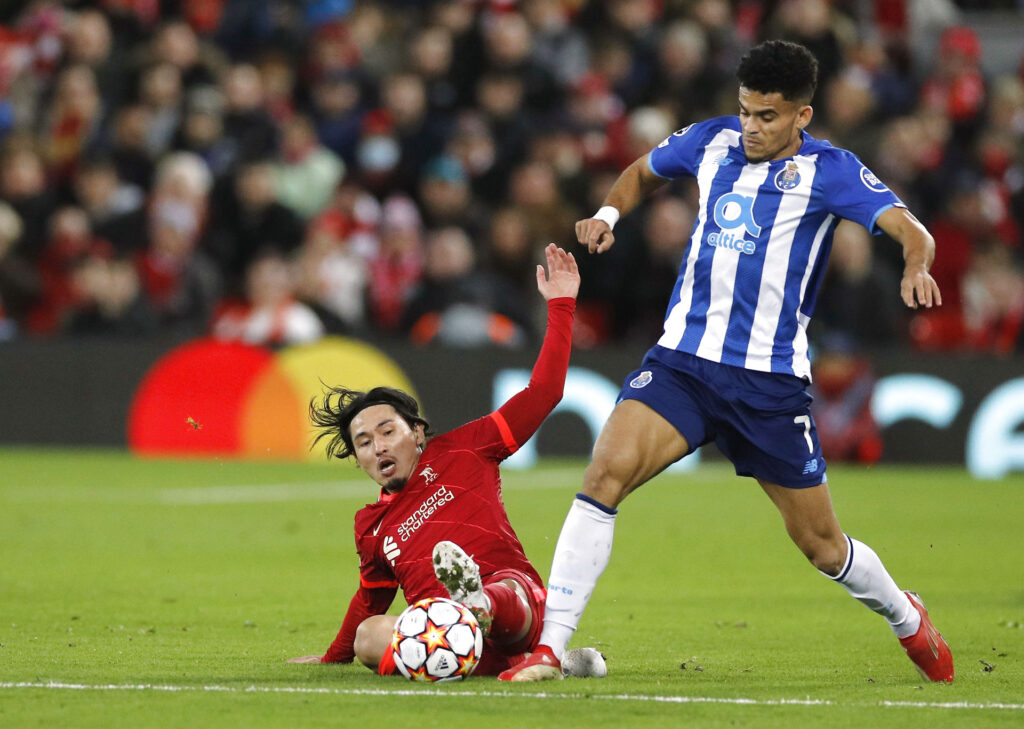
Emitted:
<point x="732" y="366"/>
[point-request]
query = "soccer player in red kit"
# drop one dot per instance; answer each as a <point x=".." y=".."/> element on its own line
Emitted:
<point x="445" y="492"/>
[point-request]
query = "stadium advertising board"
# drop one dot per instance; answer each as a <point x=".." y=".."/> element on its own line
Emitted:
<point x="207" y="398"/>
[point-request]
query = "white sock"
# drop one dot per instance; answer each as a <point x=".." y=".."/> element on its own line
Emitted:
<point x="865" y="578"/>
<point x="581" y="554"/>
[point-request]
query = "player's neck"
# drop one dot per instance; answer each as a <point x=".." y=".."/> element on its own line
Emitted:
<point x="790" y="149"/>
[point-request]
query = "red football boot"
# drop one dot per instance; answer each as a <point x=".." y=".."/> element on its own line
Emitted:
<point x="540" y="666"/>
<point x="927" y="648"/>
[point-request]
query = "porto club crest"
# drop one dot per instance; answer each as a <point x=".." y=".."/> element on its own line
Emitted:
<point x="788" y="177"/>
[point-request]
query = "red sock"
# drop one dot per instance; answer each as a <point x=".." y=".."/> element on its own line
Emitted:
<point x="508" y="611"/>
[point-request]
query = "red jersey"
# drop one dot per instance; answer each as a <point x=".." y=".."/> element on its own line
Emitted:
<point x="454" y="494"/>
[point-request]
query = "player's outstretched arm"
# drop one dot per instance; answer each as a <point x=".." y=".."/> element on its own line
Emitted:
<point x="917" y="288"/>
<point x="634" y="184"/>
<point x="562" y="278"/>
<point x="526" y="410"/>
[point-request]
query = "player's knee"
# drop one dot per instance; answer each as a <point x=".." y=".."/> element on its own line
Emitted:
<point x="367" y="644"/>
<point x="827" y="556"/>
<point x="362" y="640"/>
<point x="604" y="481"/>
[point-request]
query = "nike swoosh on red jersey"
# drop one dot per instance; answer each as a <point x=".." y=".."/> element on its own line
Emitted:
<point x="377" y="528"/>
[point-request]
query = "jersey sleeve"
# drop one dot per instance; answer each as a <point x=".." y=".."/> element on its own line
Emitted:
<point x="377" y="589"/>
<point x="366" y="603"/>
<point x="679" y="154"/>
<point x="522" y="414"/>
<point x="855" y="193"/>
<point x="373" y="575"/>
<point x="502" y="432"/>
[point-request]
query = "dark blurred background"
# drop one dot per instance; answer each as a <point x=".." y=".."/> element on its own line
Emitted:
<point x="273" y="171"/>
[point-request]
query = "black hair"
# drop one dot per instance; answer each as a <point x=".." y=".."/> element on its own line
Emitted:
<point x="780" y="66"/>
<point x="334" y="413"/>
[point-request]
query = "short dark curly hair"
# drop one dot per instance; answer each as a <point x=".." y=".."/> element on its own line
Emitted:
<point x="780" y="66"/>
<point x="334" y="413"/>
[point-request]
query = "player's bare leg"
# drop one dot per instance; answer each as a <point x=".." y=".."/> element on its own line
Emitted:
<point x="812" y="525"/>
<point x="373" y="638"/>
<point x="635" y="445"/>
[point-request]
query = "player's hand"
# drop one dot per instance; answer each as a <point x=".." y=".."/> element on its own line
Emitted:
<point x="594" y="234"/>
<point x="918" y="288"/>
<point x="305" y="659"/>
<point x="562" y="277"/>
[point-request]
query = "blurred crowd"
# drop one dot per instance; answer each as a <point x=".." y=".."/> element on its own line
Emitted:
<point x="275" y="171"/>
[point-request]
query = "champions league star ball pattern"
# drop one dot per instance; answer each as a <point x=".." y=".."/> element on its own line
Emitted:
<point x="436" y="639"/>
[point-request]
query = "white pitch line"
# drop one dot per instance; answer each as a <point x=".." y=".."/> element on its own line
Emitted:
<point x="449" y="693"/>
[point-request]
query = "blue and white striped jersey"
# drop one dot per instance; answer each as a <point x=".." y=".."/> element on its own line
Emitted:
<point x="750" y="276"/>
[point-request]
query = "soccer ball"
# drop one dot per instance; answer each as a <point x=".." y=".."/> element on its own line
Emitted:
<point x="436" y="639"/>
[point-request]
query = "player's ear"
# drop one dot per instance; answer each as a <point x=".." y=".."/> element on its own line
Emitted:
<point x="804" y="115"/>
<point x="421" y="436"/>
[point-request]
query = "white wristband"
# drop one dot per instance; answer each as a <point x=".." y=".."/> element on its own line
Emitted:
<point x="608" y="214"/>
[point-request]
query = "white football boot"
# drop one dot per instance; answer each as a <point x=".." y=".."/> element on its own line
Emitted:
<point x="584" y="663"/>
<point x="457" y="571"/>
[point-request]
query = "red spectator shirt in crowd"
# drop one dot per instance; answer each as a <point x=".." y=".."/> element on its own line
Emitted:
<point x="454" y="494"/>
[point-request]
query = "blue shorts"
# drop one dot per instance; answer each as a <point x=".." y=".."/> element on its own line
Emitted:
<point x="761" y="421"/>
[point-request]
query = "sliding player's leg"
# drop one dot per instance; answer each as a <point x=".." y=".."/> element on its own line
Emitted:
<point x="457" y="571"/>
<point x="635" y="445"/>
<point x="373" y="641"/>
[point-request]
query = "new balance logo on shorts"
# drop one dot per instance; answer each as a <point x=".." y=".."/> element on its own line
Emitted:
<point x="811" y="466"/>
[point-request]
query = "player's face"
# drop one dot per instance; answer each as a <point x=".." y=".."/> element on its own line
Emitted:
<point x="771" y="125"/>
<point x="385" y="446"/>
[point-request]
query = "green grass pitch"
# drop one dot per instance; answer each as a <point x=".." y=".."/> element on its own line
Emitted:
<point x="149" y="593"/>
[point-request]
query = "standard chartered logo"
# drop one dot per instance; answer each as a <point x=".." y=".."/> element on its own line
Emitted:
<point x="431" y="504"/>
